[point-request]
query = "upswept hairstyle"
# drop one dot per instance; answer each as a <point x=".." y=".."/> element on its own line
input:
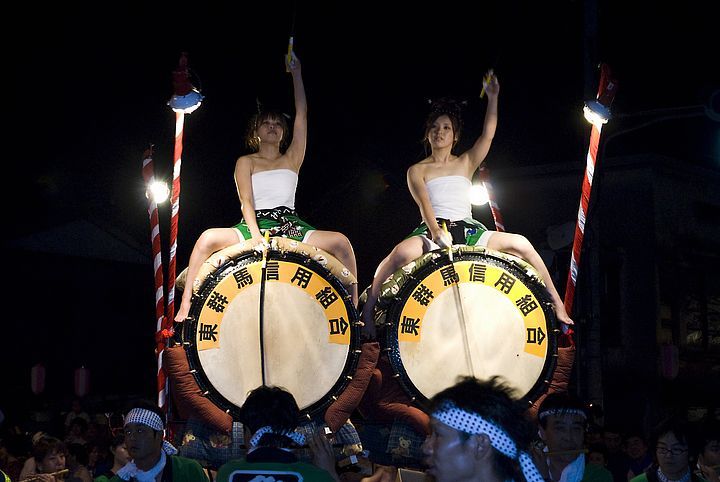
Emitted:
<point x="251" y="139"/>
<point x="449" y="107"/>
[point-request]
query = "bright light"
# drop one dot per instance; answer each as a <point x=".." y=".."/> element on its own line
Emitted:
<point x="478" y="195"/>
<point x="596" y="113"/>
<point x="158" y="192"/>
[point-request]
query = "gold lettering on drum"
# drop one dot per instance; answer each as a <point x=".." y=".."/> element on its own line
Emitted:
<point x="211" y="315"/>
<point x="413" y="312"/>
<point x="315" y="285"/>
<point x="320" y="290"/>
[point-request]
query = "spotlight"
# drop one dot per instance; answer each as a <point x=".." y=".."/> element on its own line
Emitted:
<point x="158" y="192"/>
<point x="597" y="111"/>
<point x="478" y="195"/>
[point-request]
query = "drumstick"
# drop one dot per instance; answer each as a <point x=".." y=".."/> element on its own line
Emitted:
<point x="486" y="81"/>
<point x="263" y="272"/>
<point x="458" y="303"/>
<point x="36" y="476"/>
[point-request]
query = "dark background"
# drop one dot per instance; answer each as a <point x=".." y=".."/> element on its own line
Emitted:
<point x="88" y="91"/>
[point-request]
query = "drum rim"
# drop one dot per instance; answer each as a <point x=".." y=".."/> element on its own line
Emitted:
<point x="248" y="257"/>
<point x="390" y="344"/>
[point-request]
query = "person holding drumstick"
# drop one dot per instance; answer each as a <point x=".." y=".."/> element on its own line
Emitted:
<point x="266" y="181"/>
<point x="439" y="185"/>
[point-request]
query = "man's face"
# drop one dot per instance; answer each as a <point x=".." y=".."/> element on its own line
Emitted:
<point x="710" y="454"/>
<point x="564" y="432"/>
<point x="613" y="441"/>
<point x="448" y="455"/>
<point x="635" y="447"/>
<point x="142" y="442"/>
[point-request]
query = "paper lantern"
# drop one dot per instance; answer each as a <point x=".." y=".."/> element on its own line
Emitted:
<point x="37" y="379"/>
<point x="670" y="361"/>
<point x="82" y="381"/>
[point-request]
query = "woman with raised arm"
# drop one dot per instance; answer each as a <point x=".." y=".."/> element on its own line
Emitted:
<point x="439" y="185"/>
<point x="266" y="181"/>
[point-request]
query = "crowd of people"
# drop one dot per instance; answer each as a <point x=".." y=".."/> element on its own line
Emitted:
<point x="478" y="431"/>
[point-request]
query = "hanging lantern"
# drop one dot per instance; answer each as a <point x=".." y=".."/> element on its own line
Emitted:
<point x="37" y="379"/>
<point x="670" y="361"/>
<point x="82" y="381"/>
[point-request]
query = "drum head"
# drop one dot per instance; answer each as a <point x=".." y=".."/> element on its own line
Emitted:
<point x="310" y="336"/>
<point x="483" y="314"/>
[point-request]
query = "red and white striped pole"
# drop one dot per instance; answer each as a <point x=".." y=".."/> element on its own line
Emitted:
<point x="494" y="208"/>
<point x="149" y="177"/>
<point x="186" y="99"/>
<point x="605" y="96"/>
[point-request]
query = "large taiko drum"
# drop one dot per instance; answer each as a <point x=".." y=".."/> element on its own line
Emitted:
<point x="310" y="332"/>
<point x="484" y="313"/>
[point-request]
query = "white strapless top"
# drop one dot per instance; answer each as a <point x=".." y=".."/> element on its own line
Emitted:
<point x="274" y="188"/>
<point x="450" y="197"/>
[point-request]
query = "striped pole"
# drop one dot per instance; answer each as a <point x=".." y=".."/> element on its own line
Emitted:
<point x="165" y="330"/>
<point x="582" y="217"/>
<point x="606" y="93"/>
<point x="148" y="171"/>
<point x="494" y="208"/>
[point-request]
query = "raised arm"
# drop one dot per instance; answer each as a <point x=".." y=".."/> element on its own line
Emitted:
<point x="296" y="150"/>
<point x="243" y="183"/>
<point x="416" y="184"/>
<point x="480" y="149"/>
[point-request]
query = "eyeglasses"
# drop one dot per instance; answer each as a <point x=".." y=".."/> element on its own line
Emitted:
<point x="674" y="451"/>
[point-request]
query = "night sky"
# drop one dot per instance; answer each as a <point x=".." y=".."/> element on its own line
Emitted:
<point x="88" y="91"/>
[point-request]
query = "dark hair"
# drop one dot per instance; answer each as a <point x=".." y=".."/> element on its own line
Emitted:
<point x="80" y="422"/>
<point x="117" y="440"/>
<point x="675" y="425"/>
<point x="494" y="401"/>
<point x="78" y="452"/>
<point x="599" y="448"/>
<point x="251" y="139"/>
<point x="47" y="445"/>
<point x="449" y="107"/>
<point x="560" y="402"/>
<point x="270" y="406"/>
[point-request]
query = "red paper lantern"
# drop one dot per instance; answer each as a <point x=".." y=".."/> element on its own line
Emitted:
<point x="82" y="381"/>
<point x="37" y="379"/>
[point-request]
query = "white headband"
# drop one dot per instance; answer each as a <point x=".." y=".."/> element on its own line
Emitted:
<point x="150" y="419"/>
<point x="472" y="423"/>
<point x="562" y="411"/>
<point x="296" y="437"/>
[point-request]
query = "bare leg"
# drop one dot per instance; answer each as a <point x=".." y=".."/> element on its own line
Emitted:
<point x="406" y="251"/>
<point x="209" y="241"/>
<point x="518" y="245"/>
<point x="339" y="246"/>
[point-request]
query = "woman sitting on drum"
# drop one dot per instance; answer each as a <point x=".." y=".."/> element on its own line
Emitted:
<point x="266" y="181"/>
<point x="439" y="185"/>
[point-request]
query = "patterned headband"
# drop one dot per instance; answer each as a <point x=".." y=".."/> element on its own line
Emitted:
<point x="562" y="411"/>
<point x="150" y="419"/>
<point x="473" y="424"/>
<point x="296" y="437"/>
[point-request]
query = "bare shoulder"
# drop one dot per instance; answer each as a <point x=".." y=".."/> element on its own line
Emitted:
<point x="245" y="161"/>
<point x="420" y="167"/>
